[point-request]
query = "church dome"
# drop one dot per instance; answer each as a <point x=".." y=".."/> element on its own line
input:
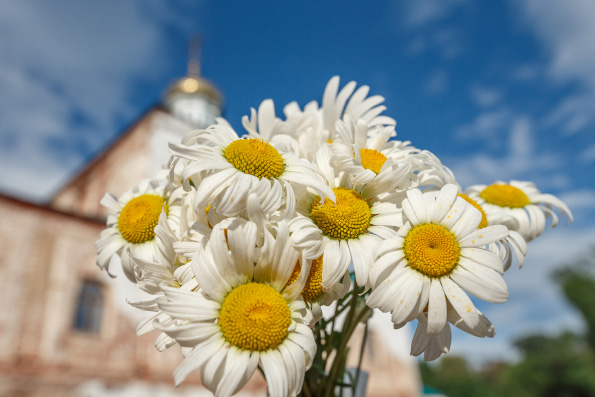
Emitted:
<point x="194" y="86"/>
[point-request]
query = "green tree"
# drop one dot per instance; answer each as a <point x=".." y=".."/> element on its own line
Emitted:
<point x="561" y="366"/>
<point x="453" y="376"/>
<point x="578" y="284"/>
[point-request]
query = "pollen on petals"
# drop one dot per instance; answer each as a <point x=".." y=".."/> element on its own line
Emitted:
<point x="431" y="249"/>
<point x="505" y="196"/>
<point x="138" y="218"/>
<point x="348" y="219"/>
<point x="254" y="317"/>
<point x="255" y="157"/>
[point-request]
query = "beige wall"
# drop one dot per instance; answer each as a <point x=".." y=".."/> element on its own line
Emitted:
<point x="46" y="256"/>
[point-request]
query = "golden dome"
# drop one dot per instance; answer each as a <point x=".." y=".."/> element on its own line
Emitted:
<point x="195" y="85"/>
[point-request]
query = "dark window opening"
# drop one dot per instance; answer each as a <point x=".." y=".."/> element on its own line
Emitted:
<point x="88" y="310"/>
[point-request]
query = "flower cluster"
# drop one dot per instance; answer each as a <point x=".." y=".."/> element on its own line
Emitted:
<point x="243" y="239"/>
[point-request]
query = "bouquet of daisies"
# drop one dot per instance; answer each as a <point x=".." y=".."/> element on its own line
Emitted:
<point x="242" y="240"/>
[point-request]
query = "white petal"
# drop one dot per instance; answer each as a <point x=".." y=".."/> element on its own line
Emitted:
<point x="436" y="309"/>
<point x="480" y="281"/>
<point x="385" y="264"/>
<point x="197" y="358"/>
<point x="418" y="206"/>
<point x="361" y="255"/>
<point x="420" y="340"/>
<point x="467" y="223"/>
<point x="444" y="202"/>
<point x="236" y="365"/>
<point x="485" y="236"/>
<point x="438" y="345"/>
<point x="275" y="373"/>
<point x="336" y="261"/>
<point x="483" y="257"/>
<point x="460" y="302"/>
<point x="406" y="298"/>
<point x="455" y="213"/>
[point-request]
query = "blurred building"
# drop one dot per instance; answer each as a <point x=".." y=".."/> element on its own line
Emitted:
<point x="65" y="329"/>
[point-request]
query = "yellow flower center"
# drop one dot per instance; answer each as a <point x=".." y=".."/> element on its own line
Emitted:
<point x="254" y="317"/>
<point x="484" y="218"/>
<point x="372" y="160"/>
<point x="431" y="249"/>
<point x="255" y="157"/>
<point x="139" y="217"/>
<point x="348" y="219"/>
<point x="505" y="196"/>
<point x="313" y="287"/>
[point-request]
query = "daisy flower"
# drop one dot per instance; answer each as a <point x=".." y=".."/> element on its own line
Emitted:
<point x="244" y="315"/>
<point x="514" y="242"/>
<point x="367" y="160"/>
<point x="350" y="230"/>
<point x="525" y="207"/>
<point x="169" y="269"/>
<point x="304" y="132"/>
<point x="438" y="254"/>
<point x="234" y="166"/>
<point x="366" y="154"/>
<point x="131" y="222"/>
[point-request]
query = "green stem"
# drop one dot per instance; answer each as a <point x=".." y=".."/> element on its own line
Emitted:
<point x="345" y="336"/>
<point x="361" y="357"/>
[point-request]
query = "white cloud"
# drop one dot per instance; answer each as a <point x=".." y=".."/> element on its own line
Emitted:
<point x="424" y="19"/>
<point x="63" y="62"/>
<point x="437" y="83"/>
<point x="484" y="96"/>
<point x="566" y="30"/>
<point x="581" y="202"/>
<point x="501" y="129"/>
<point x="489" y="126"/>
<point x="423" y="12"/>
<point x="526" y="72"/>
<point x="573" y="113"/>
<point x="588" y="155"/>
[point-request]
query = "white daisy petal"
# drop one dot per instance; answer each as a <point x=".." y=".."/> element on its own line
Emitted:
<point x="455" y="213"/>
<point x="199" y="355"/>
<point x="391" y="292"/>
<point x="383" y="266"/>
<point x="444" y="201"/>
<point x="436" y="309"/>
<point x="420" y="340"/>
<point x="212" y="371"/>
<point x="417" y="211"/>
<point x="460" y="302"/>
<point x="361" y="255"/>
<point x="484" y="283"/>
<point x="483" y="257"/>
<point x="438" y="345"/>
<point x="336" y="262"/>
<point x="275" y="373"/>
<point x="468" y="222"/>
<point x="236" y="365"/>
<point x="405" y="300"/>
<point x="483" y="237"/>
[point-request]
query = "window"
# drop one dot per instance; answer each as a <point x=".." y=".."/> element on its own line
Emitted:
<point x="88" y="310"/>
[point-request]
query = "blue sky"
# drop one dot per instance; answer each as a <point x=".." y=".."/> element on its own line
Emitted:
<point x="498" y="90"/>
